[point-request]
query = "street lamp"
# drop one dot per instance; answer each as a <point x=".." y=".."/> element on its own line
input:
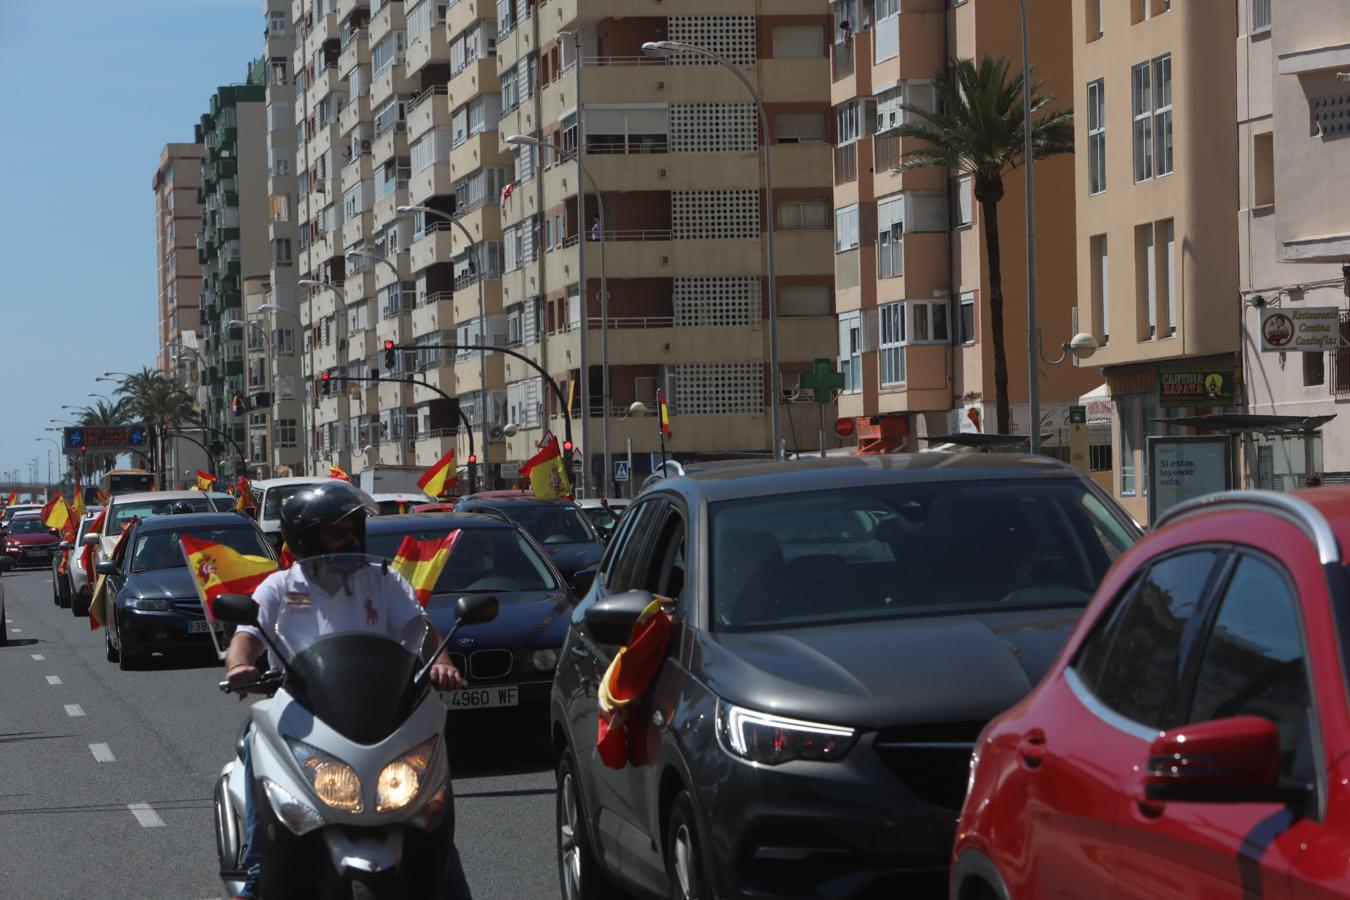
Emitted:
<point x="311" y="453"/>
<point x="1033" y="329"/>
<point x="518" y="140"/>
<point x="668" y="49"/>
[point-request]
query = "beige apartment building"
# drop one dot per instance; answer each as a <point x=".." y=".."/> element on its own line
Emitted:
<point x="410" y="104"/>
<point x="1157" y="250"/>
<point x="178" y="218"/>
<point x="1293" y="89"/>
<point x="911" y="274"/>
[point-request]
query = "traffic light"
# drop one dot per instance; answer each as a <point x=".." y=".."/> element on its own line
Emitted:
<point x="567" y="456"/>
<point x="237" y="404"/>
<point x="324" y="379"/>
<point x="389" y="355"/>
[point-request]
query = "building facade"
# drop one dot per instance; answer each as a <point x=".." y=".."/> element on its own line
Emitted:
<point x="915" y="335"/>
<point x="1293" y="229"/>
<point x="178" y="217"/>
<point x="1155" y="186"/>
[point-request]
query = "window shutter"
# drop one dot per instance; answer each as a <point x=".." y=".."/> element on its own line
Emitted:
<point x="1151" y="280"/>
<point x="965" y="201"/>
<point x="925" y="211"/>
<point x="1106" y="289"/>
<point x="1170" y="239"/>
<point x="798" y="42"/>
<point x="800" y="126"/>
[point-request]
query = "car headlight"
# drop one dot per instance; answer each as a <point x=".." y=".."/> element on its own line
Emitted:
<point x="402" y="779"/>
<point x="772" y="740"/>
<point x="544" y="661"/>
<point x="333" y="781"/>
<point x="148" y="604"/>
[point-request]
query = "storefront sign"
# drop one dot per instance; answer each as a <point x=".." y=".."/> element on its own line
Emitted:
<point x="1309" y="329"/>
<point x="1182" y="468"/>
<point x="1214" y="386"/>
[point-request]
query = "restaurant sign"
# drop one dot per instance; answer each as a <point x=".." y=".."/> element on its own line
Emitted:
<point x="1213" y="386"/>
<point x="1307" y="330"/>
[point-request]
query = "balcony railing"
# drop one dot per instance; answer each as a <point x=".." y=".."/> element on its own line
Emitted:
<point x="846" y="163"/>
<point x="842" y="59"/>
<point x="427" y="95"/>
<point x="640" y="60"/>
<point x="639" y="144"/>
<point x="886" y="150"/>
<point x="635" y="321"/>
<point x="434" y="297"/>
<point x="625" y="234"/>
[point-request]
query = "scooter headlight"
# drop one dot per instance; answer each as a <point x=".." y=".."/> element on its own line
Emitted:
<point x="402" y="779"/>
<point x="333" y="781"/>
<point x="297" y="815"/>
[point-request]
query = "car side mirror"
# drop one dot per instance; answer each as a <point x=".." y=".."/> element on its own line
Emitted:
<point x="1231" y="760"/>
<point x="105" y="567"/>
<point x="611" y="620"/>
<point x="582" y="579"/>
<point x="235" y="609"/>
<point x="475" y="609"/>
<point x="89" y="540"/>
<point x="54" y="532"/>
<point x="65" y="545"/>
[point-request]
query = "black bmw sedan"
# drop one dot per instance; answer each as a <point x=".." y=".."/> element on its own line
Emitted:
<point x="151" y="601"/>
<point x="508" y="662"/>
<point x="842" y="631"/>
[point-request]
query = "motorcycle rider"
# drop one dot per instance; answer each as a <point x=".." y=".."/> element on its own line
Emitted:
<point x="321" y="520"/>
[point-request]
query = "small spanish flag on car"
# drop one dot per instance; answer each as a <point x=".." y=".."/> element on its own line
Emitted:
<point x="100" y="588"/>
<point x="547" y="473"/>
<point x="12" y="498"/>
<point x="217" y="569"/>
<point x="56" y="514"/>
<point x="205" y="481"/>
<point x="336" y="472"/>
<point x="244" y="495"/>
<point x="421" y="562"/>
<point x="440" y="477"/>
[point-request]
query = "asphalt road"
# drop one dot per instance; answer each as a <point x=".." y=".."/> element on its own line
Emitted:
<point x="106" y="776"/>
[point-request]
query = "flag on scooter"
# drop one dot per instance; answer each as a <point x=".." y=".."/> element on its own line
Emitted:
<point x="56" y="514"/>
<point x="217" y="569"/>
<point x="100" y="589"/>
<point x="440" y="477"/>
<point x="421" y="562"/>
<point x="285" y="559"/>
<point x="547" y="474"/>
<point x="205" y="481"/>
<point x="336" y="472"/>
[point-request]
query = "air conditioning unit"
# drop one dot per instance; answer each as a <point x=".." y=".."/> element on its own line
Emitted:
<point x="496" y="433"/>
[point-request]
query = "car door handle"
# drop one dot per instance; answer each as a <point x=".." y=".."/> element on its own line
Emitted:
<point x="1032" y="749"/>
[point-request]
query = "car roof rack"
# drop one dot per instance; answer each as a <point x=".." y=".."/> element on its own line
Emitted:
<point x="1298" y="512"/>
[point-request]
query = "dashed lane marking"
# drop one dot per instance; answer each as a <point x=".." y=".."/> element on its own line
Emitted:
<point x="74" y="709"/>
<point x="53" y="679"/>
<point x="102" y="753"/>
<point x="39" y="657"/>
<point x="145" y="815"/>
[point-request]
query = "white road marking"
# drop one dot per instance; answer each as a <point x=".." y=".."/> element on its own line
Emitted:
<point x="102" y="753"/>
<point x="39" y="657"/>
<point x="17" y="630"/>
<point x="53" y="679"/>
<point x="73" y="709"/>
<point x="145" y="815"/>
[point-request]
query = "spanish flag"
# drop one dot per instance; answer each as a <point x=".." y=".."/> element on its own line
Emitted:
<point x="245" y="500"/>
<point x="336" y="472"/>
<point x="12" y="498"/>
<point x="205" y="480"/>
<point x="96" y="602"/>
<point x="547" y="474"/>
<point x="664" y="409"/>
<point x="285" y="559"/>
<point x="217" y="569"/>
<point x="421" y="562"/>
<point x="56" y="514"/>
<point x="77" y="506"/>
<point x="440" y="477"/>
<point x="630" y="673"/>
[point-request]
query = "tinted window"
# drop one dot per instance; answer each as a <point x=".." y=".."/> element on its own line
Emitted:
<point x="1131" y="662"/>
<point x="276" y="496"/>
<point x="1253" y="663"/>
<point x="885" y="551"/>
<point x="561" y="524"/>
<point x="123" y="513"/>
<point x="392" y="507"/>
<point x="28" y="525"/>
<point x="161" y="550"/>
<point x="130" y="483"/>
<point x="664" y="570"/>
<point x="625" y="553"/>
<point x="485" y="559"/>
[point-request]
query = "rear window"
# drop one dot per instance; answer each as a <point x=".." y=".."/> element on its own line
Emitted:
<point x="161" y="550"/>
<point x="276" y="496"/>
<point x="122" y="513"/>
<point x="908" y="550"/>
<point x="28" y="525"/>
<point x="485" y="559"/>
<point x="548" y="524"/>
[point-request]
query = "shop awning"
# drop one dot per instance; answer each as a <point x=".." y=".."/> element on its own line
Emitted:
<point x="1098" y="393"/>
<point x="1251" y="423"/>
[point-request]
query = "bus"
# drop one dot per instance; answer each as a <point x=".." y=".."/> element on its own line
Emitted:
<point x="127" y="481"/>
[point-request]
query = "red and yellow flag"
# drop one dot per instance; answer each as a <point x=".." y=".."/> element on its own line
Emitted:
<point x="547" y="474"/>
<point x="87" y="552"/>
<point x="336" y="472"/>
<point x="96" y="603"/>
<point x="440" y="477"/>
<point x="205" y="481"/>
<point x="664" y="409"/>
<point x="56" y="514"/>
<point x="77" y="506"/>
<point x="421" y="562"/>
<point x="12" y="498"/>
<point x="102" y="497"/>
<point x="285" y="559"/>
<point x="245" y="499"/>
<point x="630" y="673"/>
<point x="218" y="569"/>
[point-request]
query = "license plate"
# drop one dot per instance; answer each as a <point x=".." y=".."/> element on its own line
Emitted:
<point x="482" y="698"/>
<point x="201" y="626"/>
<point x="37" y="553"/>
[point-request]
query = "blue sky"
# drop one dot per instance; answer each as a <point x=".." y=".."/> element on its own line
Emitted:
<point x="89" y="94"/>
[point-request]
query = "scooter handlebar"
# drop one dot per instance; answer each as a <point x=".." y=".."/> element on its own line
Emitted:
<point x="267" y="684"/>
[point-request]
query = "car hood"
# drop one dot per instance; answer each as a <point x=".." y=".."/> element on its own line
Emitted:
<point x="32" y="540"/>
<point x="171" y="584"/>
<point x="876" y="674"/>
<point x="529" y="620"/>
<point x="572" y="558"/>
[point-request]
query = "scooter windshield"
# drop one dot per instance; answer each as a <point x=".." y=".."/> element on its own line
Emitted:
<point x="352" y="636"/>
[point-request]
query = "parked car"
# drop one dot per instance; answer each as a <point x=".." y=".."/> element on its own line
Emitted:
<point x="28" y="542"/>
<point x="269" y="494"/>
<point x="152" y="603"/>
<point x="67" y="557"/>
<point x="397" y="504"/>
<point x="843" y="628"/>
<point x="558" y="526"/>
<point x="603" y="513"/>
<point x="508" y="662"/>
<point x="439" y="507"/>
<point x="1191" y="740"/>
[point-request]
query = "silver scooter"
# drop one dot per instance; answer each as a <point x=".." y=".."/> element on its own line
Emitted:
<point x="349" y="761"/>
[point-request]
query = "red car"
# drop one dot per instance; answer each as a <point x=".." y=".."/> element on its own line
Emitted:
<point x="1192" y="739"/>
<point x="27" y="542"/>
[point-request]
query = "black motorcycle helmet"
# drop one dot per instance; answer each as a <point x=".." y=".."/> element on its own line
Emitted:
<point x="182" y="507"/>
<point x="305" y="513"/>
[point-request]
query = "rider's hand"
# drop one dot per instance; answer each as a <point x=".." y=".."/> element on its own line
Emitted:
<point x="445" y="677"/>
<point x="240" y="676"/>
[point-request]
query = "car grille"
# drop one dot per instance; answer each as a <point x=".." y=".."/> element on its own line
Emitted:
<point x="490" y="664"/>
<point x="931" y="761"/>
<point x="191" y="606"/>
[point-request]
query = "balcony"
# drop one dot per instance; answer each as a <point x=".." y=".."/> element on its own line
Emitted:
<point x="431" y="446"/>
<point x="355" y="171"/>
<point x="851" y="68"/>
<point x="356" y="111"/>
<point x="429" y="109"/>
<point x="436" y="246"/>
<point x="434" y="312"/>
<point x="479" y="76"/>
<point x="468" y="375"/>
<point x="432" y="47"/>
<point x="479" y="151"/>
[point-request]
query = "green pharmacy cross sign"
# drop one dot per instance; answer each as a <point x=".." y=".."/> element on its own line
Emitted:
<point x="823" y="380"/>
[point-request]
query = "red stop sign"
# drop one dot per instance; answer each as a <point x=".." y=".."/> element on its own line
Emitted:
<point x="843" y="427"/>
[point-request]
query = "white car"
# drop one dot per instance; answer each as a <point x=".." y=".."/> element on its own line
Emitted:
<point x="604" y="513"/>
<point x="269" y="494"/>
<point x="122" y="508"/>
<point x="71" y="588"/>
<point x="398" y="504"/>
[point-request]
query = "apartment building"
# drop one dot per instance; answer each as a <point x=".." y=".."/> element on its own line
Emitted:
<point x="178" y="217"/>
<point x="1156" y="246"/>
<point x="232" y="250"/>
<point x="405" y="105"/>
<point x="1293" y="227"/>
<point x="911" y="265"/>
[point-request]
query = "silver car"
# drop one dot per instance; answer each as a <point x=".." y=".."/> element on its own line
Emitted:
<point x="70" y="589"/>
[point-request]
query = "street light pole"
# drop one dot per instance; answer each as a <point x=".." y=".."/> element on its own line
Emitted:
<point x="1033" y="331"/>
<point x="670" y="48"/>
<point x="398" y="279"/>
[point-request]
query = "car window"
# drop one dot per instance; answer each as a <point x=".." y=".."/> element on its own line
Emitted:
<point x="484" y="559"/>
<point x="1130" y="663"/>
<point x="621" y="572"/>
<point x="145" y="509"/>
<point x="560" y="524"/>
<point x="663" y="573"/>
<point x="27" y="525"/>
<point x="274" y="497"/>
<point x="1253" y="663"/>
<point x="893" y="550"/>
<point x="160" y="549"/>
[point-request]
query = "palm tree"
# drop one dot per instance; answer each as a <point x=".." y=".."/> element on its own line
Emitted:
<point x="159" y="402"/>
<point x="977" y="130"/>
<point x="101" y="413"/>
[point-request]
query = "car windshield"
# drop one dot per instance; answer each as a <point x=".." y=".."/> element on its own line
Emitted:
<point x="160" y="549"/>
<point x="603" y="519"/>
<point x="485" y="559"/>
<point x="28" y="525"/>
<point x="146" y="509"/>
<point x="552" y="524"/>
<point x="890" y="551"/>
<point x="278" y="495"/>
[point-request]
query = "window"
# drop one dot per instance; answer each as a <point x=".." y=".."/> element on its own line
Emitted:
<point x="619" y="567"/>
<point x="1260" y="15"/>
<point x="854" y="119"/>
<point x="1130" y="662"/>
<point x="1314" y="369"/>
<point x="891" y="348"/>
<point x="281" y="252"/>
<point x="965" y="201"/>
<point x="928" y="322"/>
<point x="846" y="228"/>
<point x="283" y="433"/>
<point x="803" y="212"/>
<point x="1099" y="458"/>
<point x="422" y="16"/>
<point x="1162" y="114"/>
<point x="967" y="323"/>
<point x="1263" y="169"/>
<point x="799" y="127"/>
<point x="804" y="300"/>
<point x="1096" y="111"/>
<point x="1094" y="19"/>
<point x="1253" y="663"/>
<point x="1146" y="278"/>
<point x="1141" y="90"/>
<point x="506" y="17"/>
<point x="388" y="51"/>
<point x="510" y="98"/>
<point x="1128" y="408"/>
<point x="890" y="236"/>
<point x="886" y="8"/>
<point x="850" y="351"/>
<point x="798" y="42"/>
<point x="1168" y="264"/>
<point x="1101" y="286"/>
<point x="1151" y="85"/>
